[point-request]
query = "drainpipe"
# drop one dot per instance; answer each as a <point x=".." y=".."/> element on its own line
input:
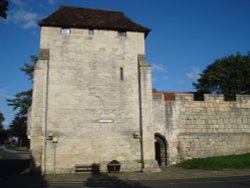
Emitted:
<point x="140" y="113"/>
<point x="44" y="55"/>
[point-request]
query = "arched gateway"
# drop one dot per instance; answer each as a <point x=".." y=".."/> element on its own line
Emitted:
<point x="160" y="149"/>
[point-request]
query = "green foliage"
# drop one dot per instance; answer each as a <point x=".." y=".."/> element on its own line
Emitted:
<point x="3" y="8"/>
<point x="218" y="163"/>
<point x="229" y="76"/>
<point x="18" y="128"/>
<point x="16" y="148"/>
<point x="22" y="100"/>
<point x="1" y="121"/>
<point x="28" y="69"/>
<point x="3" y="133"/>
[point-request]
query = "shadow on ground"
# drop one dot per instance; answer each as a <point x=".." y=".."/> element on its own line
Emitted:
<point x="108" y="181"/>
<point x="13" y="167"/>
<point x="14" y="172"/>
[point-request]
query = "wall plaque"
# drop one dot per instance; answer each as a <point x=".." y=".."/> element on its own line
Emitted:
<point x="105" y="121"/>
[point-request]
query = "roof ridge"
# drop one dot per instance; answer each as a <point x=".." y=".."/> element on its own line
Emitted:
<point x="137" y="23"/>
<point x="82" y="17"/>
<point x="91" y="8"/>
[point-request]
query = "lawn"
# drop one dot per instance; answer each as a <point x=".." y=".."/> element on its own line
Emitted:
<point x="16" y="148"/>
<point x="218" y="163"/>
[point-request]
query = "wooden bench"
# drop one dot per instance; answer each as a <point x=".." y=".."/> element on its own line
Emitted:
<point x="87" y="168"/>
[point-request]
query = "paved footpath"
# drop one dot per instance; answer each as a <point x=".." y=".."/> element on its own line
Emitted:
<point x="168" y="173"/>
<point x="171" y="177"/>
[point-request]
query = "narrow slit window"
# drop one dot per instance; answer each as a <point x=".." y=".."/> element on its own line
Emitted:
<point x="121" y="73"/>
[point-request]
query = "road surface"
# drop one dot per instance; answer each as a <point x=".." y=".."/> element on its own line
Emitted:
<point x="228" y="182"/>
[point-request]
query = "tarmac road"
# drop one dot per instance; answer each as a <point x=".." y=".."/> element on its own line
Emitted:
<point x="14" y="173"/>
<point x="227" y="182"/>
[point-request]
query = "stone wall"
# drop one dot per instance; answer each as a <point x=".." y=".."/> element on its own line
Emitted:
<point x="92" y="103"/>
<point x="194" y="129"/>
<point x="92" y="112"/>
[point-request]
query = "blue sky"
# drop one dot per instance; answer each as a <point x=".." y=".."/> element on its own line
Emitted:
<point x="186" y="36"/>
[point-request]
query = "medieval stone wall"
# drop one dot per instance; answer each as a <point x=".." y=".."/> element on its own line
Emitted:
<point x="92" y="103"/>
<point x="91" y="110"/>
<point x="194" y="129"/>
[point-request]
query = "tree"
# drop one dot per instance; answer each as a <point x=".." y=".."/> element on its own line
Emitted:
<point x="18" y="128"/>
<point x="1" y="121"/>
<point x="21" y="102"/>
<point x="3" y="8"/>
<point x="229" y="76"/>
<point x="3" y="133"/>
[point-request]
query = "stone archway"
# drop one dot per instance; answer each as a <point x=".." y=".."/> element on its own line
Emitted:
<point x="160" y="149"/>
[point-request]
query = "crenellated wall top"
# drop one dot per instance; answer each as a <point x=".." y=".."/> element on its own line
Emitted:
<point x="207" y="97"/>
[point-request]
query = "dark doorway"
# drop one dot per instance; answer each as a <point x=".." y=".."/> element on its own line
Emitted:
<point x="160" y="149"/>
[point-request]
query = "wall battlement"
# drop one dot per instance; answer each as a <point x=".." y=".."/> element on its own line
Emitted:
<point x="207" y="98"/>
<point x="212" y="127"/>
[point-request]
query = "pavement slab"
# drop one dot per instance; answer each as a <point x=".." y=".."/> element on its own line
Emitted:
<point x="167" y="173"/>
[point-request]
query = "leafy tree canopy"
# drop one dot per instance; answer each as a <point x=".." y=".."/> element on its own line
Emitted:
<point x="18" y="128"/>
<point x="3" y="8"/>
<point x="3" y="133"/>
<point x="22" y="100"/>
<point x="229" y="76"/>
<point x="1" y="121"/>
<point x="28" y="69"/>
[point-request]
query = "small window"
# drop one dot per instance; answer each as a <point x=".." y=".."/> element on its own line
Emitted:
<point x="65" y="30"/>
<point x="91" y="32"/>
<point x="121" y="73"/>
<point x="122" y="33"/>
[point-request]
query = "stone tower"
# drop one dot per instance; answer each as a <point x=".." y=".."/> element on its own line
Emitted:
<point x="92" y="100"/>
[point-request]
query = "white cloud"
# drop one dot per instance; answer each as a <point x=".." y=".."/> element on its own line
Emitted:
<point x="51" y="2"/>
<point x="154" y="79"/>
<point x="165" y="78"/>
<point x="158" y="68"/>
<point x="194" y="73"/>
<point x="17" y="2"/>
<point x="27" y="20"/>
<point x="3" y="94"/>
<point x="182" y="82"/>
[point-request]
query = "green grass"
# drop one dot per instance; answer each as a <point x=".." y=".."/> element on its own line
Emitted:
<point x="218" y="163"/>
<point x="16" y="148"/>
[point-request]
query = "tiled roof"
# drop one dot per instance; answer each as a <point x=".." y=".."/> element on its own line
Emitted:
<point x="78" y="17"/>
<point x="170" y="95"/>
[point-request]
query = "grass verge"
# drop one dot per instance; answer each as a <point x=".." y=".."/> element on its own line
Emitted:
<point x="218" y="163"/>
<point x="16" y="148"/>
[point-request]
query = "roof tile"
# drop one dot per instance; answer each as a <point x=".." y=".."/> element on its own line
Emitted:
<point x="78" y="17"/>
